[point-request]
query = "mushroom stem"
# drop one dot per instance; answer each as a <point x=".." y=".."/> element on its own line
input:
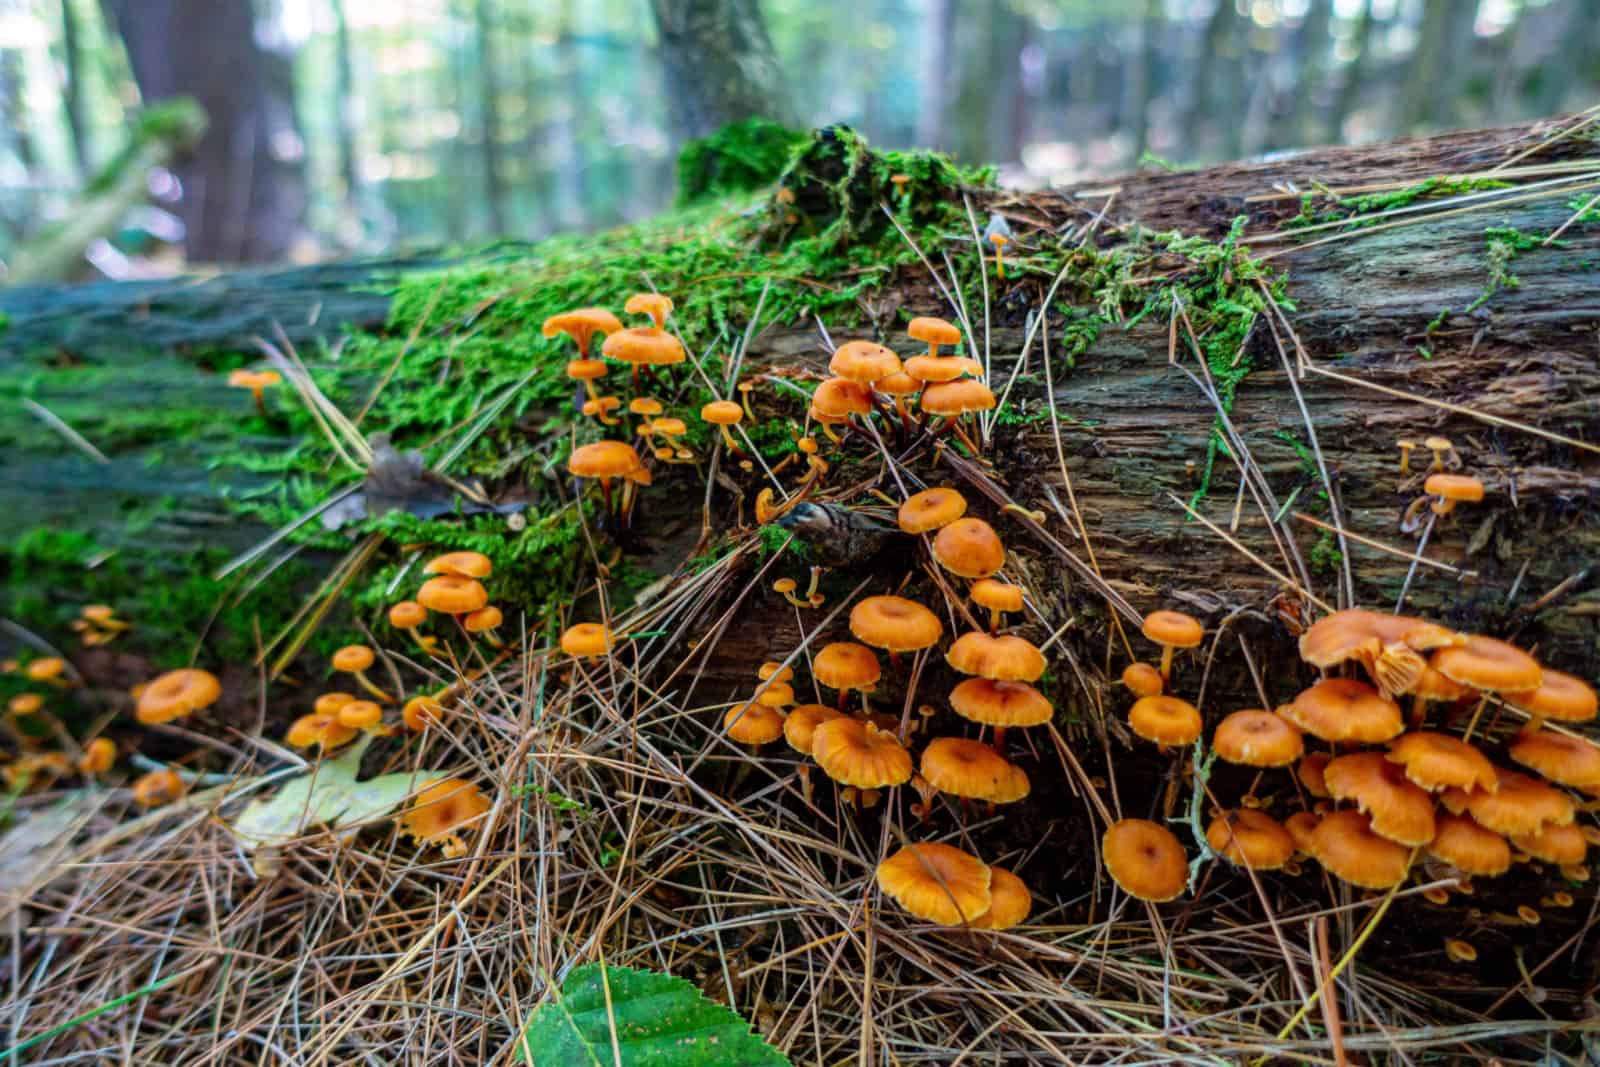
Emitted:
<point x="1000" y="740"/>
<point x="733" y="446"/>
<point x="366" y="683"/>
<point x="994" y="621"/>
<point x="954" y="423"/>
<point x="1411" y="520"/>
<point x="828" y="430"/>
<point x="605" y="492"/>
<point x="1472" y="724"/>
<point x="1166" y="664"/>
<point x="804" y="770"/>
<point x="589" y="390"/>
<point x="816" y="576"/>
<point x="1442" y="505"/>
<point x="844" y="700"/>
<point x="261" y="401"/>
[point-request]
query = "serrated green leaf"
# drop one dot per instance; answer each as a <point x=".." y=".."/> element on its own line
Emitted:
<point x="328" y="794"/>
<point x="660" y="1021"/>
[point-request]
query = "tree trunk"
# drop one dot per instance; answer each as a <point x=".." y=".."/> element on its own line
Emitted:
<point x="1354" y="71"/>
<point x="72" y="89"/>
<point x="1312" y="43"/>
<point x="1577" y="48"/>
<point x="494" y="193"/>
<point x="243" y="186"/>
<point x="1220" y="30"/>
<point x="1142" y="71"/>
<point x="719" y="63"/>
<point x="938" y="74"/>
<point x="345" y="94"/>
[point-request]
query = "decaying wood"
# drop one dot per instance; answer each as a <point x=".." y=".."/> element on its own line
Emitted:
<point x="1527" y="560"/>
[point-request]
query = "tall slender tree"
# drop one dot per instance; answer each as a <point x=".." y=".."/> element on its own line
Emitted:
<point x="939" y="75"/>
<point x="1344" y="101"/>
<point x="719" y="64"/>
<point x="494" y="192"/>
<point x="72" y="88"/>
<point x="243" y="185"/>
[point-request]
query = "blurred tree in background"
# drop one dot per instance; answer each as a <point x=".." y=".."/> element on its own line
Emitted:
<point x="340" y="125"/>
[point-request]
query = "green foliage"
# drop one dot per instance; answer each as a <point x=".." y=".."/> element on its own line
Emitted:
<point x="740" y="157"/>
<point x="1341" y="207"/>
<point x="649" y="1019"/>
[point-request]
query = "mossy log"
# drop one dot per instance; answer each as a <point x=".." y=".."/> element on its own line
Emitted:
<point x="1461" y="304"/>
<point x="1383" y="308"/>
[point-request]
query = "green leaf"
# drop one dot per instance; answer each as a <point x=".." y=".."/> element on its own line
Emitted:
<point x="327" y="794"/>
<point x="661" y="1021"/>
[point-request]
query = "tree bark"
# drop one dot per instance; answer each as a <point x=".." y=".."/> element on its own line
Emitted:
<point x="719" y="64"/>
<point x="243" y="186"/>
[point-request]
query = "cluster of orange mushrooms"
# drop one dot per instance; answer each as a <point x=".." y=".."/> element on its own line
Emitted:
<point x="1373" y="811"/>
<point x="865" y="752"/>
<point x="38" y="765"/>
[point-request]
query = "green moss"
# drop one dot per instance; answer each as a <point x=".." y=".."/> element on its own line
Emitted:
<point x="1333" y="208"/>
<point x="739" y="158"/>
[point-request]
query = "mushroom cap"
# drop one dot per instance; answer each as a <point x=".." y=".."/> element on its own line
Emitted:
<point x="840" y="398"/>
<point x="441" y="808"/>
<point x="158" y="787"/>
<point x="581" y="324"/>
<point x="643" y="346"/>
<point x="419" y="711"/>
<point x="722" y="413"/>
<point x="407" y="614"/>
<point x="1438" y="761"/>
<point x="855" y="752"/>
<point x="776" y="695"/>
<point x="330" y="703"/>
<point x="936" y="882"/>
<point x="320" y="729"/>
<point x="656" y="305"/>
<point x="1520" y="805"/>
<point x="1145" y="859"/>
<point x="1468" y="847"/>
<point x="1257" y="738"/>
<point x="800" y="725"/>
<point x="483" y="620"/>
<point x="669" y="426"/>
<point x="1000" y="703"/>
<point x="450" y="594"/>
<point x="931" y="509"/>
<point x="897" y="384"/>
<point x="1561" y="697"/>
<point x="1346" y="846"/>
<point x="933" y="330"/>
<point x="645" y="405"/>
<point x="957" y="397"/>
<point x="98" y="756"/>
<point x="1343" y="709"/>
<point x="773" y="668"/>
<point x="1250" y="838"/>
<point x="1301" y="825"/>
<point x="1461" y="487"/>
<point x="1561" y="758"/>
<point x="359" y="714"/>
<point x="1436" y="443"/>
<point x="1173" y="628"/>
<point x="98" y="612"/>
<point x="996" y="595"/>
<point x="253" y="379"/>
<point x="753" y="723"/>
<point x="970" y="548"/>
<point x="586" y="639"/>
<point x="1310" y="771"/>
<point x="1143" y="679"/>
<point x="1009" y="902"/>
<point x="1166" y="720"/>
<point x="966" y="768"/>
<point x="895" y="624"/>
<point x="1431" y="685"/>
<point x="587" y="370"/>
<point x="45" y="668"/>
<point x="177" y="694"/>
<point x="25" y="703"/>
<point x="1004" y="659"/>
<point x="352" y="658"/>
<point x="933" y="370"/>
<point x="601" y="404"/>
<point x="1484" y="663"/>
<point x="969" y="366"/>
<point x="846" y="665"/>
<point x="1342" y="635"/>
<point x="602" y="459"/>
<point x="1554" y="844"/>
<point x="863" y="361"/>
<point x="1399" y="810"/>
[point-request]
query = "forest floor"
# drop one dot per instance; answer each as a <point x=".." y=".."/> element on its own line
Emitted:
<point x="1200" y="379"/>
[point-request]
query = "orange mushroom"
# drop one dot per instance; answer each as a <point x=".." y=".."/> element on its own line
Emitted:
<point x="1399" y="810"/>
<point x="972" y="769"/>
<point x="969" y="548"/>
<point x="1166" y="720"/>
<point x="1257" y="739"/>
<point x="857" y="753"/>
<point x="1468" y="847"/>
<point x="1560" y="697"/>
<point x="1004" y="659"/>
<point x="753" y="723"/>
<point x="1142" y="679"/>
<point x="1560" y="758"/>
<point x="895" y="625"/>
<point x="657" y="306"/>
<point x="723" y="414"/>
<point x="321" y="730"/>
<point x="603" y="461"/>
<point x="463" y="564"/>
<point x="1347" y="848"/>
<point x="1009" y="902"/>
<point x="1518" y="805"/>
<point x="98" y="756"/>
<point x="588" y="640"/>
<point x="931" y="510"/>
<point x="999" y="597"/>
<point x="258" y="382"/>
<point x="936" y="882"/>
<point x="1250" y="838"/>
<point x="1145" y="859"/>
<point x="158" y="788"/>
<point x="581" y="324"/>
<point x="935" y="331"/>
<point x="354" y="661"/>
<point x="864" y="362"/>
<point x="1171" y="630"/>
<point x="176" y="695"/>
<point x="439" y="813"/>
<point x="450" y="594"/>
<point x="1438" y="761"/>
<point x="1343" y="709"/>
<point x="845" y="665"/>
